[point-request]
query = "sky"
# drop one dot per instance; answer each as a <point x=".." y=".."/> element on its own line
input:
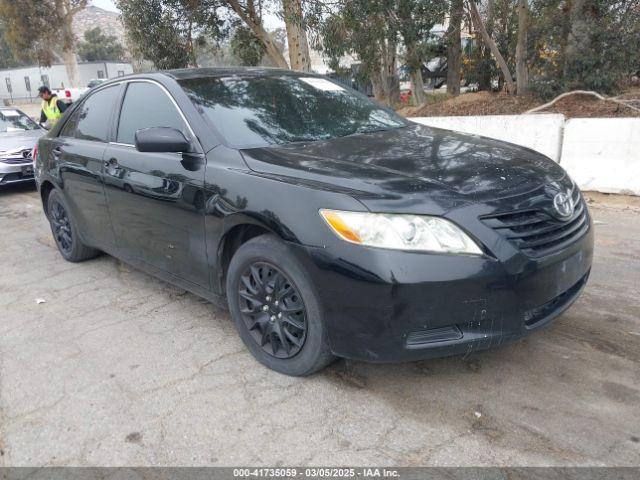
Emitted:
<point x="106" y="4"/>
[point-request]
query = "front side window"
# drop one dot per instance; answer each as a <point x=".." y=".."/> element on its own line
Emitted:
<point x="146" y="105"/>
<point x="253" y="111"/>
<point x="91" y="120"/>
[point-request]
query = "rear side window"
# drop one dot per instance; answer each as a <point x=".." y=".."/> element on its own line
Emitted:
<point x="91" y="120"/>
<point x="146" y="105"/>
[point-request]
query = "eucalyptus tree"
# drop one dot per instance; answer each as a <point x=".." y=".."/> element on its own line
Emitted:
<point x="43" y="29"/>
<point x="415" y="21"/>
<point x="166" y="31"/>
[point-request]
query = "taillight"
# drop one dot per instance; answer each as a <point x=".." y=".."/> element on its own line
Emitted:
<point x="67" y="93"/>
<point x="34" y="153"/>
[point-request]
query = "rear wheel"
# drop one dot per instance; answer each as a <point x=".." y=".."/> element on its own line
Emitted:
<point x="276" y="309"/>
<point x="65" y="231"/>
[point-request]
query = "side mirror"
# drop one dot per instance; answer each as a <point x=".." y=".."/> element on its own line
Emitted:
<point x="161" y="140"/>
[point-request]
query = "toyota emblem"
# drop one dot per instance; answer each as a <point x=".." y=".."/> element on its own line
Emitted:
<point x="563" y="205"/>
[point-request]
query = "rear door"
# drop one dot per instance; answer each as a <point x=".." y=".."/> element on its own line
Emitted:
<point x="156" y="200"/>
<point x="78" y="150"/>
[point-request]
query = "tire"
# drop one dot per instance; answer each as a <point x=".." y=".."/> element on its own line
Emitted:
<point x="65" y="230"/>
<point x="289" y="349"/>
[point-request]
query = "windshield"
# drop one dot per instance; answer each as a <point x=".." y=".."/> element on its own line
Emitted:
<point x="15" y="121"/>
<point x="252" y="111"/>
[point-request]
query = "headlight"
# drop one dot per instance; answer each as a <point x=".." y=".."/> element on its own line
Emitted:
<point x="400" y="232"/>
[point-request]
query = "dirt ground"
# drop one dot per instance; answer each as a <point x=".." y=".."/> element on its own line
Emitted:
<point x="485" y="103"/>
<point x="111" y="367"/>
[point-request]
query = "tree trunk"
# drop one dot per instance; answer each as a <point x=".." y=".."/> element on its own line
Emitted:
<point x="391" y="72"/>
<point x="578" y="36"/>
<point x="454" y="48"/>
<point x="522" y="73"/>
<point x="484" y="54"/>
<point x="299" y="57"/>
<point x="417" y="86"/>
<point x="69" y="53"/>
<point x="379" y="92"/>
<point x="250" y="20"/>
<point x="475" y="15"/>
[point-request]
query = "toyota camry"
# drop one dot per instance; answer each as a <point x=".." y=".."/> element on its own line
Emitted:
<point x="329" y="225"/>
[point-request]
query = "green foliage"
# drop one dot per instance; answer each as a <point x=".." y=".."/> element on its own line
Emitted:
<point x="583" y="44"/>
<point x="360" y="27"/>
<point x="7" y="58"/>
<point x="166" y="31"/>
<point x="602" y="46"/>
<point x="36" y="28"/>
<point x="415" y="20"/>
<point x="98" y="47"/>
<point x="246" y="47"/>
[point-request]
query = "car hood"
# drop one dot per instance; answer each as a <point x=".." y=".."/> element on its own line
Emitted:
<point x="15" y="140"/>
<point x="411" y="165"/>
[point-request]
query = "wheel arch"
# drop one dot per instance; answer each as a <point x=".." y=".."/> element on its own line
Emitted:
<point x="232" y="240"/>
<point x="45" y="189"/>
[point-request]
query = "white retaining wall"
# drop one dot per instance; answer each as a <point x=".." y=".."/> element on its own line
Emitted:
<point x="601" y="154"/>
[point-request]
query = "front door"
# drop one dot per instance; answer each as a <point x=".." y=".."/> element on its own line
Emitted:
<point x="156" y="200"/>
<point x="79" y="150"/>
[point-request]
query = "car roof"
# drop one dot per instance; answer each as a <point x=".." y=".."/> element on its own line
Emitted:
<point x="194" y="73"/>
<point x="190" y="73"/>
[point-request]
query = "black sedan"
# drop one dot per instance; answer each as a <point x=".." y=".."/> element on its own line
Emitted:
<point x="330" y="225"/>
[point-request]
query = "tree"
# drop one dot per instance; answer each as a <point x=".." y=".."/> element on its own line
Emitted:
<point x="246" y="47"/>
<point x="454" y="45"/>
<point x="252" y="18"/>
<point x="7" y="58"/>
<point x="368" y="29"/>
<point x="98" y="47"/>
<point x="40" y="28"/>
<point x="415" y="20"/>
<point x="522" y="72"/>
<point x="166" y="31"/>
<point x="491" y="44"/>
<point x="299" y="57"/>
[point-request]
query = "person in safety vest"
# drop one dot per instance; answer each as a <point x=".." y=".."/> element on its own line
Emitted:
<point x="52" y="108"/>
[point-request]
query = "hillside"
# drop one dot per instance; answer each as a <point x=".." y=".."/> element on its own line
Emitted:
<point x="91" y="17"/>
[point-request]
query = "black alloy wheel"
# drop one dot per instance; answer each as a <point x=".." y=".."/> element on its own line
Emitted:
<point x="65" y="230"/>
<point x="273" y="310"/>
<point x="61" y="226"/>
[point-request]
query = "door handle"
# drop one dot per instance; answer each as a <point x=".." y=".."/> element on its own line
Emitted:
<point x="56" y="152"/>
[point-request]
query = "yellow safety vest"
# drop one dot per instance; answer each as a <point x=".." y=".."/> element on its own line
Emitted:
<point x="51" y="110"/>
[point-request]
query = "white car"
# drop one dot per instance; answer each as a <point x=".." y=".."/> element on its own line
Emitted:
<point x="70" y="95"/>
<point x="18" y="136"/>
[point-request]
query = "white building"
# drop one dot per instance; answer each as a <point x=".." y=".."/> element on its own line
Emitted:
<point x="22" y="83"/>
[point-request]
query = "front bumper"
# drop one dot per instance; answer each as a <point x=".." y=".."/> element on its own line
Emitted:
<point x="16" y="171"/>
<point x="387" y="306"/>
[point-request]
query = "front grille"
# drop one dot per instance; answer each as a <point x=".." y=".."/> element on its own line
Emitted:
<point x="537" y="233"/>
<point x="16" y="161"/>
<point x="19" y="157"/>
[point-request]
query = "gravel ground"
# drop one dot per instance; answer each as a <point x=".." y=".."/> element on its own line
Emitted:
<point x="118" y="368"/>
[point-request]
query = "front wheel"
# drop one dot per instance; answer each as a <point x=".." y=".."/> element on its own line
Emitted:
<point x="276" y="309"/>
<point x="65" y="230"/>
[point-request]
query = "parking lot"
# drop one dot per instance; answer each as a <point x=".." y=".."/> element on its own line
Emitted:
<point x="103" y="365"/>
